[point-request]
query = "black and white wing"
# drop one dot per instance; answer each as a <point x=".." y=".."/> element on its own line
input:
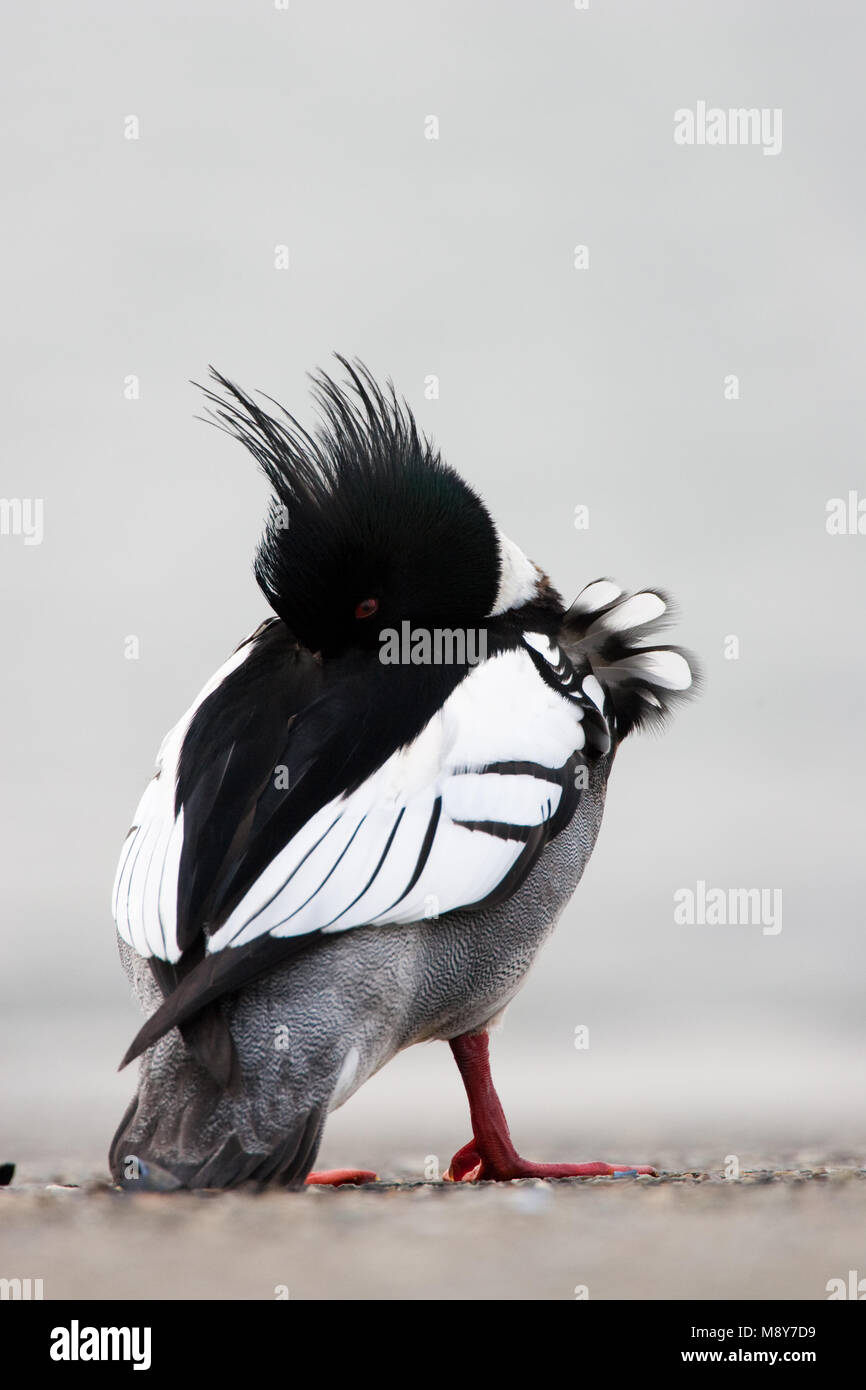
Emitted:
<point x="452" y="817"/>
<point x="438" y="826"/>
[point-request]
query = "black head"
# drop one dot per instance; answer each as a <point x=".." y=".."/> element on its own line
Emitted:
<point x="368" y="527"/>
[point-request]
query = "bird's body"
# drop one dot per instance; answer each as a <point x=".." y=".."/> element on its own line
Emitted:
<point x="343" y="855"/>
<point x="344" y="1009"/>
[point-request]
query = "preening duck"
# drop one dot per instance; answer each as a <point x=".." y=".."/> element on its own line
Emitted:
<point x="364" y="827"/>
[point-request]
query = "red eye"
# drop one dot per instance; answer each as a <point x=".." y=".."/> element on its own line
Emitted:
<point x="367" y="607"/>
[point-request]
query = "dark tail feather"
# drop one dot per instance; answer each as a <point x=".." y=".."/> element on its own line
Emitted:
<point x="206" y="1035"/>
<point x="232" y="1165"/>
<point x="208" y="1038"/>
<point x="287" y="1165"/>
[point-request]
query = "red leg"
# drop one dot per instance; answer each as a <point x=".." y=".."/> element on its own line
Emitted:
<point x="335" y="1177"/>
<point x="490" y="1154"/>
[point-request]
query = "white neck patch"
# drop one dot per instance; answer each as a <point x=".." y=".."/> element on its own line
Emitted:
<point x="518" y="577"/>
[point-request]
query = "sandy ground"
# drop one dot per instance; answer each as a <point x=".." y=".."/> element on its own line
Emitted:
<point x="780" y="1234"/>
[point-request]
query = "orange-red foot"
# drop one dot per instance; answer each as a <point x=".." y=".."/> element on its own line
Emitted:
<point x="336" y="1177"/>
<point x="490" y="1155"/>
<point x="467" y="1165"/>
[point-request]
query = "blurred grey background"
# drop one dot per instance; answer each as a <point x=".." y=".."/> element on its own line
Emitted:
<point x="558" y="387"/>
